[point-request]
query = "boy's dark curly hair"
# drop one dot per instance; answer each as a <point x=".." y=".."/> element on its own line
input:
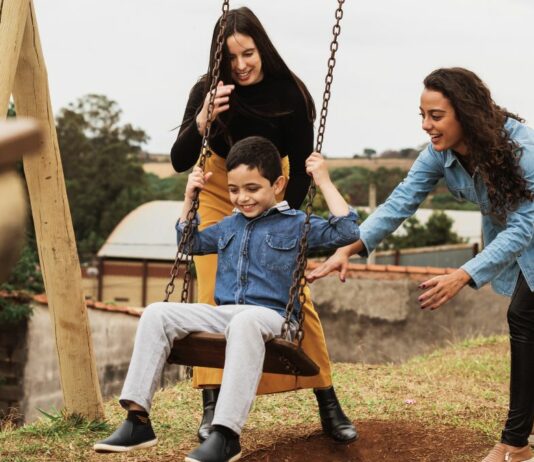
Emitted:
<point x="256" y="152"/>
<point x="489" y="146"/>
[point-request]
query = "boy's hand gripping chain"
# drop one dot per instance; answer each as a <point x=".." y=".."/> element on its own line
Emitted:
<point x="184" y="246"/>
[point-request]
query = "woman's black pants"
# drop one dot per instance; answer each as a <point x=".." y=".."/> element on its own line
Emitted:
<point x="521" y="323"/>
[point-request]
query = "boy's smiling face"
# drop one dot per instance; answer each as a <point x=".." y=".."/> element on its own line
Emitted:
<point x="250" y="192"/>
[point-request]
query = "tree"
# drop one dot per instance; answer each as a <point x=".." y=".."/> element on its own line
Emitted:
<point x="354" y="182"/>
<point x="408" y="153"/>
<point x="104" y="177"/>
<point x="25" y="279"/>
<point x="437" y="231"/>
<point x="369" y="152"/>
<point x="11" y="110"/>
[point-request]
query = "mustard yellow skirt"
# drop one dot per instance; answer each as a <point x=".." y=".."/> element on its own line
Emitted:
<point x="214" y="206"/>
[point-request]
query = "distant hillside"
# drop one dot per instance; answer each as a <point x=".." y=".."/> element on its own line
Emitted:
<point x="164" y="169"/>
<point x="371" y="164"/>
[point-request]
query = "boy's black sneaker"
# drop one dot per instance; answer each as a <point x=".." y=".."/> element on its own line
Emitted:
<point x="220" y="446"/>
<point x="134" y="433"/>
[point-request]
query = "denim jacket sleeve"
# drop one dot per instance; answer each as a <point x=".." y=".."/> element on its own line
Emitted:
<point x="515" y="238"/>
<point x="204" y="242"/>
<point x="426" y="171"/>
<point x="334" y="232"/>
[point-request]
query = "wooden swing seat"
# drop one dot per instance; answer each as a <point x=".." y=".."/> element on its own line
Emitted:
<point x="208" y="350"/>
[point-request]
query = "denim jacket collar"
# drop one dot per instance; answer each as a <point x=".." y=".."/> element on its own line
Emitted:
<point x="450" y="158"/>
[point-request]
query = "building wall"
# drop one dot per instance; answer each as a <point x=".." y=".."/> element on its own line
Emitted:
<point x="443" y="256"/>
<point x="13" y="352"/>
<point x="113" y="337"/>
<point x="122" y="282"/>
<point x="379" y="320"/>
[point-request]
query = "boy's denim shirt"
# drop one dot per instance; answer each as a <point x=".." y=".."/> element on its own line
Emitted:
<point x="509" y="247"/>
<point x="257" y="257"/>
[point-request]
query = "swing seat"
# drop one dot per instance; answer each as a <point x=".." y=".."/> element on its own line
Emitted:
<point x="208" y="350"/>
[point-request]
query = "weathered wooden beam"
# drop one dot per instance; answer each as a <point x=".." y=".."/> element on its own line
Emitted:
<point x="55" y="235"/>
<point x="13" y="14"/>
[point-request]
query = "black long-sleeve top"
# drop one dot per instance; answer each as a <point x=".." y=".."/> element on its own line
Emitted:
<point x="291" y="131"/>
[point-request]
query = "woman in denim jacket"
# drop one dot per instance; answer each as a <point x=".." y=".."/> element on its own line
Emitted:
<point x="486" y="156"/>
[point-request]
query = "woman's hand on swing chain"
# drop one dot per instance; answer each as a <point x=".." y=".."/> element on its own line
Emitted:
<point x="337" y="262"/>
<point x="220" y="104"/>
<point x="196" y="180"/>
<point x="317" y="168"/>
<point x="440" y="289"/>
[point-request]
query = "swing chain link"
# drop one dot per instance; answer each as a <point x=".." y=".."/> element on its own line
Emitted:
<point x="185" y="244"/>
<point x="336" y="30"/>
<point x="299" y="278"/>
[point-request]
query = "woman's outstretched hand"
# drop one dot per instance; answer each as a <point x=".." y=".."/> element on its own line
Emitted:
<point x="220" y="104"/>
<point x="337" y="262"/>
<point x="440" y="289"/>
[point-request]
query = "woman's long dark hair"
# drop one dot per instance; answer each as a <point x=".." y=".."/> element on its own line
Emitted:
<point x="489" y="146"/>
<point x="244" y="21"/>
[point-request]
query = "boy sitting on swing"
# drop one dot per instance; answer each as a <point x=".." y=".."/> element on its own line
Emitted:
<point x="257" y="250"/>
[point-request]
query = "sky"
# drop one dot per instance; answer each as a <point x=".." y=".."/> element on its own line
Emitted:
<point x="146" y="55"/>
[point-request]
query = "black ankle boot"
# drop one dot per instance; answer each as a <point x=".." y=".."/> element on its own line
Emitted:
<point x="209" y="400"/>
<point x="222" y="445"/>
<point x="333" y="420"/>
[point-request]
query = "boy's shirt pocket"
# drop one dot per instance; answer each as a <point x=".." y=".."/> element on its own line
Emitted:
<point x="278" y="252"/>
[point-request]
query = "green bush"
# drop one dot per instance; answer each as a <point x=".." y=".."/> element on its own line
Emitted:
<point x="25" y="280"/>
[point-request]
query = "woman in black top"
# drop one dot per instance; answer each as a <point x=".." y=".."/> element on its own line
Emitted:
<point x="257" y="95"/>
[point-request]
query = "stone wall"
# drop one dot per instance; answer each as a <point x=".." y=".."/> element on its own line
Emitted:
<point x="379" y="320"/>
<point x="13" y="354"/>
<point x="113" y="337"/>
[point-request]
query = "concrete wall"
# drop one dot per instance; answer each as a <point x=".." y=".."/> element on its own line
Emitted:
<point x="113" y="338"/>
<point x="13" y="354"/>
<point x="377" y="321"/>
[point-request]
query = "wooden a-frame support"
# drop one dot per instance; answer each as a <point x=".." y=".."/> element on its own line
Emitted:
<point x="23" y="74"/>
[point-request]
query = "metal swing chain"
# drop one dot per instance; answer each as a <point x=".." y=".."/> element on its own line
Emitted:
<point x="184" y="246"/>
<point x="299" y="280"/>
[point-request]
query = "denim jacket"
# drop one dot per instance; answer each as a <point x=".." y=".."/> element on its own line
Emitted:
<point x="509" y="247"/>
<point x="257" y="257"/>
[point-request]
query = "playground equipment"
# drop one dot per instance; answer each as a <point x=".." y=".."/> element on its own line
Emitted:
<point x="282" y="355"/>
<point x="24" y="76"/>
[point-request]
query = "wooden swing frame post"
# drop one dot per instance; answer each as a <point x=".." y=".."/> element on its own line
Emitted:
<point x="24" y="76"/>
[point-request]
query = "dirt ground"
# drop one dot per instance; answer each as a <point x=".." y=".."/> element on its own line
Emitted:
<point x="387" y="441"/>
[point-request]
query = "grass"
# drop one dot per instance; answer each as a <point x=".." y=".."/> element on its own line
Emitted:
<point x="464" y="385"/>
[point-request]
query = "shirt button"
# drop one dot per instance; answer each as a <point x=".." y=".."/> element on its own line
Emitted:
<point x="241" y="300"/>
<point x="243" y="278"/>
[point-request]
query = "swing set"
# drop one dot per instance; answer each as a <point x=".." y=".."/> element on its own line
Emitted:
<point x="24" y="76"/>
<point x="283" y="355"/>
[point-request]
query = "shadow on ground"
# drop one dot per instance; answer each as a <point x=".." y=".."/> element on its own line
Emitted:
<point x="380" y="440"/>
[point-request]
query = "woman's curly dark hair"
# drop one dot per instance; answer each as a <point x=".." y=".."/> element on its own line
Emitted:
<point x="489" y="145"/>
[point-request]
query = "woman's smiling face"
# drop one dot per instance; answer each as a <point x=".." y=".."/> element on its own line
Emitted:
<point x="440" y="122"/>
<point x="245" y="60"/>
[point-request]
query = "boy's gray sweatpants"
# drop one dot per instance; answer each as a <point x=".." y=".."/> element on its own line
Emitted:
<point x="246" y="328"/>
